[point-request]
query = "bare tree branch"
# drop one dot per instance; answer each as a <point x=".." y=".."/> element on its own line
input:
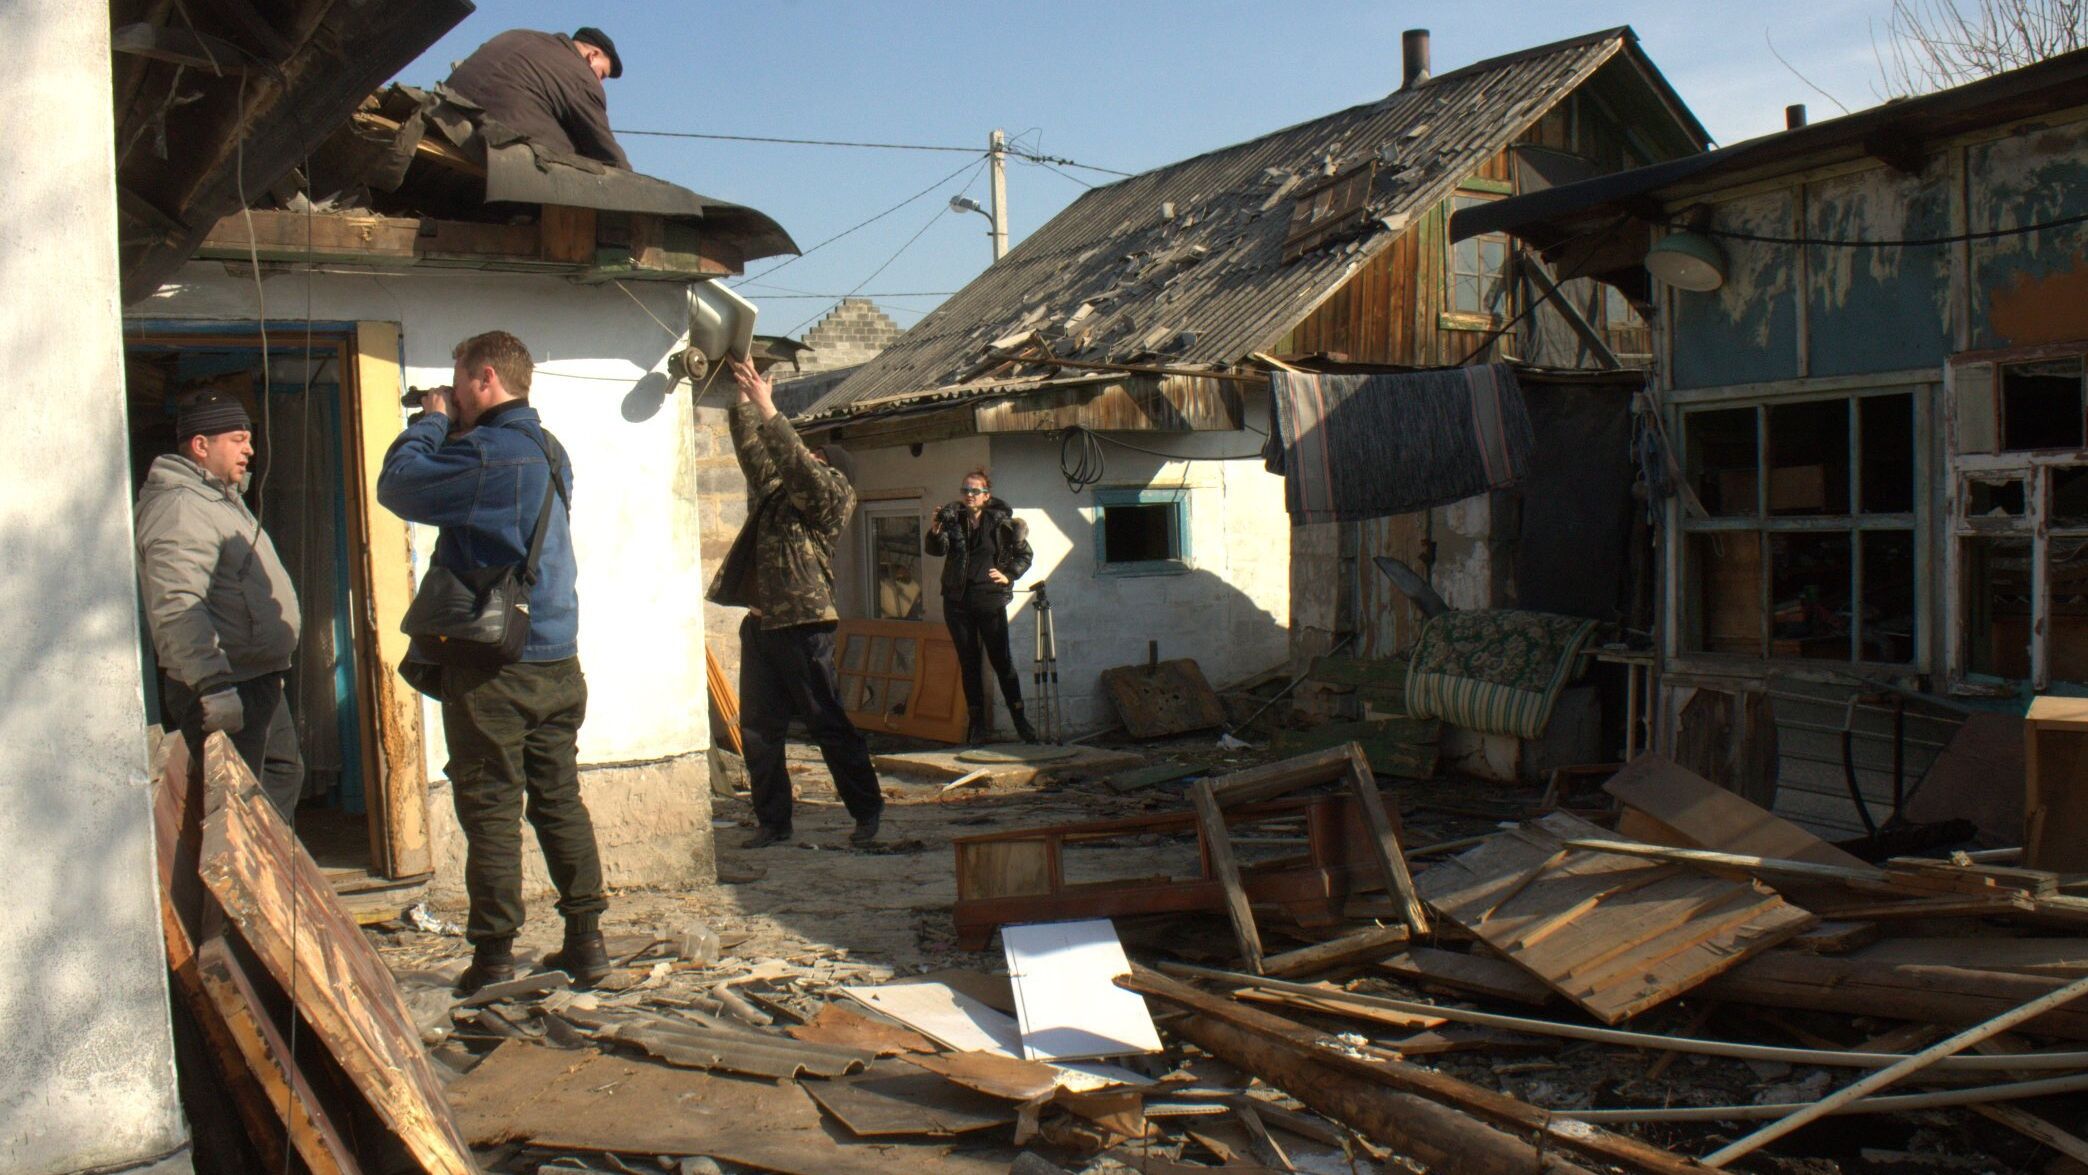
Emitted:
<point x="1935" y="44"/>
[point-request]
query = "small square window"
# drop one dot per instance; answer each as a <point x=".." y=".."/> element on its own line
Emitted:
<point x="2041" y="405"/>
<point x="1141" y="531"/>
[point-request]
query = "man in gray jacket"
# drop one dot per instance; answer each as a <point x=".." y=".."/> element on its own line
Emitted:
<point x="221" y="607"/>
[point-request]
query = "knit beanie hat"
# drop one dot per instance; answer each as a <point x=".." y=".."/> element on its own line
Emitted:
<point x="209" y="413"/>
<point x="838" y="459"/>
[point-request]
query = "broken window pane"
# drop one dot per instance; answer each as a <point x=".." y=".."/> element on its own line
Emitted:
<point x="2069" y="495"/>
<point x="1993" y="499"/>
<point x="1888" y="596"/>
<point x="1140" y="533"/>
<point x="1722" y="461"/>
<point x="1809" y="589"/>
<point x="1477" y="267"/>
<point x="1809" y="458"/>
<point x="2066" y="653"/>
<point x="1887" y="432"/>
<point x="2041" y="405"/>
<point x="1997" y="606"/>
<point x="1725" y="569"/>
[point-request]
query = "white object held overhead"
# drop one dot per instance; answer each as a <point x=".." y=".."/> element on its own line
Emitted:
<point x="721" y="323"/>
<point x="1066" y="997"/>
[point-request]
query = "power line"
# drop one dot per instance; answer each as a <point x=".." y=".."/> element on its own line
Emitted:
<point x="1906" y="242"/>
<point x="932" y="219"/>
<point x="1031" y="156"/>
<point x="796" y="296"/>
<point x="863" y="224"/>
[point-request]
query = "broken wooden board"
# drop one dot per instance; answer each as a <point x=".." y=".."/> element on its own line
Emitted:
<point x="586" y="1100"/>
<point x="2055" y="770"/>
<point x="959" y="1022"/>
<point x="273" y="892"/>
<point x="898" y="1100"/>
<point x="1171" y="697"/>
<point x="848" y="1027"/>
<point x="1145" y="777"/>
<point x="1702" y="815"/>
<point x="1430" y="967"/>
<point x="1066" y="998"/>
<point x="1405" y="748"/>
<point x="1899" y="991"/>
<point x="1612" y="933"/>
<point x="2065" y="958"/>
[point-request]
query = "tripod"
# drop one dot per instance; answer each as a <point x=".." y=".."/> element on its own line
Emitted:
<point x="1044" y="684"/>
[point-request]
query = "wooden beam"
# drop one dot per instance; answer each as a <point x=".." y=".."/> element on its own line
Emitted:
<point x="1349" y="948"/>
<point x="294" y="236"/>
<point x="1217" y="843"/>
<point x="1384" y="842"/>
<point x="1549" y="290"/>
<point x="1942" y="995"/>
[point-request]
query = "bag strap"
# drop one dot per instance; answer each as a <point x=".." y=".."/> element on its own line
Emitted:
<point x="553" y="485"/>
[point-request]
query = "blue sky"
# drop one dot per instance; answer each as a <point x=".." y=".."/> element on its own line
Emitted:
<point x="1127" y="85"/>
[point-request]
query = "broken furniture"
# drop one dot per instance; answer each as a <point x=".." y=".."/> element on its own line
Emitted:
<point x="236" y="886"/>
<point x="2055" y="799"/>
<point x="1615" y="934"/>
<point x="1020" y="875"/>
<point x="1067" y="1002"/>
<point x="900" y="677"/>
<point x="1345" y="764"/>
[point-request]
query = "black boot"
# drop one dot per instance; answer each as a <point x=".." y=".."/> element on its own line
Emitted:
<point x="492" y="961"/>
<point x="979" y="733"/>
<point x="1023" y="729"/>
<point x="585" y="957"/>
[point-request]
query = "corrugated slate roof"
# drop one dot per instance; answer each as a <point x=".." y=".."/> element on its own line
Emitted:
<point x="1208" y="285"/>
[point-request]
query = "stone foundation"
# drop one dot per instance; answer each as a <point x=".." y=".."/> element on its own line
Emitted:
<point x="652" y="821"/>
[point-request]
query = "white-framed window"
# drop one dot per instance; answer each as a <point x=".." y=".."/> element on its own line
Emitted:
<point x="1802" y="530"/>
<point x="1475" y="272"/>
<point x="891" y="560"/>
<point x="2019" y="526"/>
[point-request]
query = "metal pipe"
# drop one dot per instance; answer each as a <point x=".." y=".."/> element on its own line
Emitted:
<point x="1413" y="53"/>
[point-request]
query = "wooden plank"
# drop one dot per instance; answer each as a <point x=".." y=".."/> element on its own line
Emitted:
<point x="1217" y="846"/>
<point x="2031" y="1126"/>
<point x="280" y="235"/>
<point x="1282" y="777"/>
<point x="1349" y="948"/>
<point x="1172" y="697"/>
<point x="2064" y="957"/>
<point x="1430" y="967"/>
<point x="1710" y="817"/>
<point x="398" y="809"/>
<point x="567" y="234"/>
<point x="1941" y="995"/>
<point x="1005" y="869"/>
<point x="1066" y="997"/>
<point x="1384" y="843"/>
<point x="1333" y="1004"/>
<point x="1613" y="933"/>
<point x="274" y="893"/>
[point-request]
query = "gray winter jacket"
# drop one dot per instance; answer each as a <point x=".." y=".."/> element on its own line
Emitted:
<point x="219" y="602"/>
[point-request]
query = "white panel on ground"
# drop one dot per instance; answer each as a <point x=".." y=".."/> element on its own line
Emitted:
<point x="1064" y="974"/>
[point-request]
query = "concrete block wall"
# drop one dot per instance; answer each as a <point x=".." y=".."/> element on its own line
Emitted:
<point x="853" y="332"/>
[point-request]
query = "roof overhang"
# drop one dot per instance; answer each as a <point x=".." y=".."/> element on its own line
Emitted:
<point x="223" y="96"/>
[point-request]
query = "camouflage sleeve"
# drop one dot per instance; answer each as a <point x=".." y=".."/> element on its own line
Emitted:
<point x="753" y="453"/>
<point x="824" y="497"/>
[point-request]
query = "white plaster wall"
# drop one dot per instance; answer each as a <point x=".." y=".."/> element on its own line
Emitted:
<point x="636" y="524"/>
<point x="86" y="1059"/>
<point x="1229" y="611"/>
<point x="936" y="473"/>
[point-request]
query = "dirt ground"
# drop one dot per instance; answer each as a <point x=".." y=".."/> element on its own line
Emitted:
<point x="817" y="912"/>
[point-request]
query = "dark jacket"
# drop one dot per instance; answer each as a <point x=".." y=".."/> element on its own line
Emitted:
<point x="218" y="600"/>
<point x="484" y="488"/>
<point x="782" y="563"/>
<point x="538" y="85"/>
<point x="1001" y="539"/>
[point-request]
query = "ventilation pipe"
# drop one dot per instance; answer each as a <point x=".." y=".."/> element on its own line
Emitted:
<point x="1794" y="116"/>
<point x="1414" y="51"/>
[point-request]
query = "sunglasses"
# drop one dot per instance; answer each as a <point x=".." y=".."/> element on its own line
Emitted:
<point x="972" y="491"/>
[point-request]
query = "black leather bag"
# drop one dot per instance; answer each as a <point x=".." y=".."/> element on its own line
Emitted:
<point x="479" y="618"/>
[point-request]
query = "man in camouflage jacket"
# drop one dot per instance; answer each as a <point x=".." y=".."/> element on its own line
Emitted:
<point x="781" y="569"/>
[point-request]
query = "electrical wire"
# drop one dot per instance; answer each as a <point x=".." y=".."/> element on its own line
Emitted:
<point x="1011" y="152"/>
<point x="931" y="222"/>
<point x="863" y="224"/>
<point x="1083" y="463"/>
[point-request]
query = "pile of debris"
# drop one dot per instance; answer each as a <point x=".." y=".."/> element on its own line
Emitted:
<point x="1465" y="1016"/>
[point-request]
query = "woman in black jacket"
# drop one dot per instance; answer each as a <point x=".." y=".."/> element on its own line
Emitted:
<point x="985" y="549"/>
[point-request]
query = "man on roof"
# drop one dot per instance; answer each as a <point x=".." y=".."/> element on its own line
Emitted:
<point x="547" y="86"/>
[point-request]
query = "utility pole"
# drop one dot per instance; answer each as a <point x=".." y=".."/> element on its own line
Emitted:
<point x="997" y="156"/>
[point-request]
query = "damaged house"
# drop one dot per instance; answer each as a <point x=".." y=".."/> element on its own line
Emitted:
<point x="1866" y="437"/>
<point x="1112" y="371"/>
<point x="412" y="225"/>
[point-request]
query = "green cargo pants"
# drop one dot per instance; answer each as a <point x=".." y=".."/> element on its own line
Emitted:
<point x="511" y="734"/>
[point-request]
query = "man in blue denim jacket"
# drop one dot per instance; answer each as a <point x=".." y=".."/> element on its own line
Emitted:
<point x="512" y="731"/>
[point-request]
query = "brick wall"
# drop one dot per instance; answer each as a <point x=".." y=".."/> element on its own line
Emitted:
<point x="852" y="333"/>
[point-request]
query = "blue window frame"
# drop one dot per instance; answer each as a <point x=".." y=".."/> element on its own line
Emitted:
<point x="1141" y="532"/>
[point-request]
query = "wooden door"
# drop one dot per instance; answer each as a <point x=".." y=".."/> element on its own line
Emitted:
<point x="901" y="676"/>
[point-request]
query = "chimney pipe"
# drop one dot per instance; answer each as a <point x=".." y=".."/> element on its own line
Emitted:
<point x="1794" y="116"/>
<point x="1414" y="52"/>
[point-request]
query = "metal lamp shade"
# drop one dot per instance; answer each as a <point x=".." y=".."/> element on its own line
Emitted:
<point x="1687" y="261"/>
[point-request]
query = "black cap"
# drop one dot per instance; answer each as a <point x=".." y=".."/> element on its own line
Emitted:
<point x="600" y="40"/>
<point x="210" y="413"/>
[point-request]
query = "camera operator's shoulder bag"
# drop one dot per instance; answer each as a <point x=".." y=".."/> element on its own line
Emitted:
<point x="480" y="617"/>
